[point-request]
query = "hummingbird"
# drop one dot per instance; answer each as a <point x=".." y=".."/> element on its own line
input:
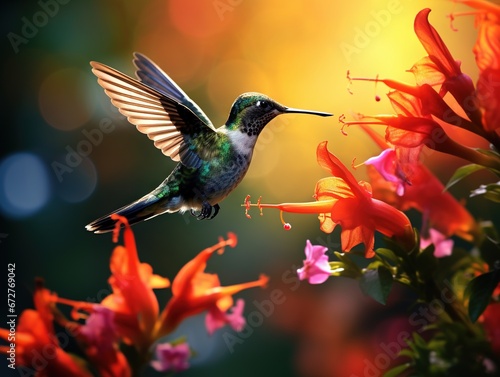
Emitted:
<point x="211" y="161"/>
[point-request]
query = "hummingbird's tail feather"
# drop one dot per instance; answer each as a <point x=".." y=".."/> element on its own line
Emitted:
<point x="142" y="209"/>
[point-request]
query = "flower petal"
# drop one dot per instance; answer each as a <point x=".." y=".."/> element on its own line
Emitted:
<point x="171" y="357"/>
<point x="434" y="45"/>
<point x="316" y="267"/>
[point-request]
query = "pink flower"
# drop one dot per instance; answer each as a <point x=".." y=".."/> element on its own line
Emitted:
<point x="171" y="357"/>
<point x="443" y="247"/>
<point x="100" y="338"/>
<point x="316" y="267"/>
<point x="387" y="165"/>
<point x="100" y="329"/>
<point x="426" y="194"/>
<point x="217" y="318"/>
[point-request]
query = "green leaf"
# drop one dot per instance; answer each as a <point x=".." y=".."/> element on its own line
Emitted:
<point x="490" y="192"/>
<point x="419" y="341"/>
<point x="388" y="254"/>
<point x="351" y="269"/>
<point x="461" y="173"/>
<point x="377" y="283"/>
<point x="407" y="352"/>
<point x="488" y="152"/>
<point x="479" y="291"/>
<point x="396" y="371"/>
<point x="426" y="263"/>
<point x="490" y="232"/>
<point x="340" y="269"/>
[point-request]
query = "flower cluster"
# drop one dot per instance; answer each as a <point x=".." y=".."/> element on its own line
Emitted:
<point x="341" y="200"/>
<point x="425" y="120"/>
<point x="129" y="316"/>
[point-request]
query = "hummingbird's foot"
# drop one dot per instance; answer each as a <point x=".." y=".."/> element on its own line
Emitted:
<point x="216" y="211"/>
<point x="206" y="211"/>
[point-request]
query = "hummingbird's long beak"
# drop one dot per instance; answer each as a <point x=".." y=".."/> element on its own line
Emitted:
<point x="301" y="111"/>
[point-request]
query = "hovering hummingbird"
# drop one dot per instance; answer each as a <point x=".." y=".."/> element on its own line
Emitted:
<point x="212" y="162"/>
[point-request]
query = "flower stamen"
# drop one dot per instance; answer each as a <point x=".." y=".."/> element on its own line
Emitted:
<point x="247" y="204"/>
<point x="80" y="309"/>
<point x="344" y="125"/>
<point x="349" y="84"/>
<point x="119" y="221"/>
<point x="453" y="15"/>
<point x="286" y="226"/>
<point x="231" y="241"/>
<point x="357" y="165"/>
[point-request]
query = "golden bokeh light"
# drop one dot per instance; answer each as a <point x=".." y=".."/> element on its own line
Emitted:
<point x="198" y="19"/>
<point x="61" y="99"/>
<point x="231" y="78"/>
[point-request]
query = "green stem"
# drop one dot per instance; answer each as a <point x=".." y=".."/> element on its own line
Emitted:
<point x="137" y="359"/>
<point x="450" y="146"/>
<point x="453" y="308"/>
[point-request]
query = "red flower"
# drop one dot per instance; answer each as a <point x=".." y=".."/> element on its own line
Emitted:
<point x="195" y="291"/>
<point x="487" y="47"/>
<point x="341" y="200"/>
<point x="414" y="125"/>
<point x="440" y="62"/>
<point x="37" y="346"/>
<point x="133" y="301"/>
<point x="491" y="323"/>
<point x="487" y="53"/>
<point x="480" y="105"/>
<point x="423" y="192"/>
<point x="420" y="109"/>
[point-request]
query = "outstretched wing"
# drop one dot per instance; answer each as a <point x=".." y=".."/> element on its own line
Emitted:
<point x="166" y="116"/>
<point x="152" y="75"/>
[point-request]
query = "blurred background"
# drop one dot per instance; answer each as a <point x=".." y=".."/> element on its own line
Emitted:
<point x="59" y="170"/>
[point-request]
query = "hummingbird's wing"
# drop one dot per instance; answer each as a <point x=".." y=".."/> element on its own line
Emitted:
<point x="152" y="75"/>
<point x="174" y="126"/>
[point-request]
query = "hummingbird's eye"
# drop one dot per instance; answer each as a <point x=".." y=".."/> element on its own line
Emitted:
<point x="263" y="104"/>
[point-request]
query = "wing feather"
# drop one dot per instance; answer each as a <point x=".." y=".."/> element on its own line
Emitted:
<point x="152" y="75"/>
<point x="158" y="108"/>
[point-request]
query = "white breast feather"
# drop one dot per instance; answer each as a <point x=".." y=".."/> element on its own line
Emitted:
<point x="241" y="142"/>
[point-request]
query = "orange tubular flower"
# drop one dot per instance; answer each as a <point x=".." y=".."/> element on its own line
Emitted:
<point x="420" y="108"/>
<point x="426" y="194"/>
<point x="195" y="291"/>
<point x="133" y="301"/>
<point x="487" y="53"/>
<point x="487" y="47"/>
<point x="414" y="125"/>
<point x="423" y="192"/>
<point x="37" y="347"/>
<point x="341" y="200"/>
<point x="440" y="62"/>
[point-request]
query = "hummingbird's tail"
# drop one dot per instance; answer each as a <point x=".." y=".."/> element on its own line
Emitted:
<point x="142" y="209"/>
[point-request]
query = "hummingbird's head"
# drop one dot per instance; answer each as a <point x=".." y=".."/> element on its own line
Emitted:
<point x="251" y="112"/>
